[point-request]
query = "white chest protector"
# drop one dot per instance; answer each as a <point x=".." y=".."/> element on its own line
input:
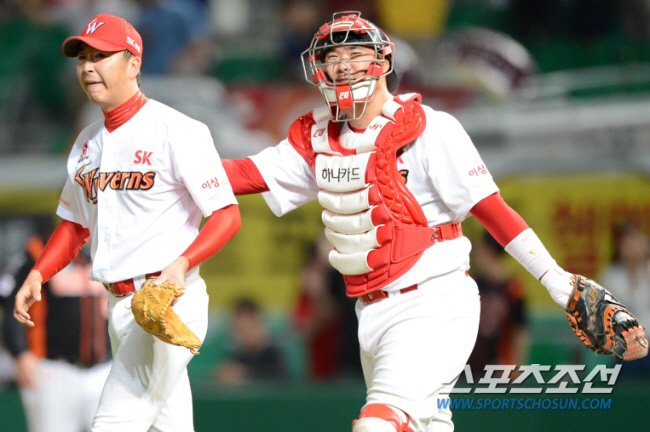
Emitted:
<point x="373" y="221"/>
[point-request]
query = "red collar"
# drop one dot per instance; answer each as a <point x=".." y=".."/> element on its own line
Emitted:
<point x="123" y="113"/>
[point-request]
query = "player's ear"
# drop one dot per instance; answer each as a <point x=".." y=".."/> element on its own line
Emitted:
<point x="134" y="66"/>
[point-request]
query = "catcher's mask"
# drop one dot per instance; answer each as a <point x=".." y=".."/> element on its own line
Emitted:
<point x="348" y="28"/>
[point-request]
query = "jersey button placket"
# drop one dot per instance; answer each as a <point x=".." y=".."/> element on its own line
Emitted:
<point x="105" y="218"/>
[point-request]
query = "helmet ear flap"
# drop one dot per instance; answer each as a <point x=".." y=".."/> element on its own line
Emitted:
<point x="392" y="80"/>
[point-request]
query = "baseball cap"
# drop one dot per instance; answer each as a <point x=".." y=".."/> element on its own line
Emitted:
<point x="108" y="33"/>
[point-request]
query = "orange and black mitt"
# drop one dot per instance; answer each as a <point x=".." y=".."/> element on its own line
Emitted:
<point x="602" y="323"/>
<point x="152" y="309"/>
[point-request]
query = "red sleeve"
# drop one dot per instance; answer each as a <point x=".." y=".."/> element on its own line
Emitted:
<point x="64" y="244"/>
<point x="244" y="176"/>
<point x="218" y="229"/>
<point x="499" y="219"/>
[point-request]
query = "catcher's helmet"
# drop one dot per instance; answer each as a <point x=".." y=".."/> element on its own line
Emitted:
<point x="348" y="28"/>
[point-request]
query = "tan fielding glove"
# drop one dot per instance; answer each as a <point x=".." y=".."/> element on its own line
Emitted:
<point x="151" y="307"/>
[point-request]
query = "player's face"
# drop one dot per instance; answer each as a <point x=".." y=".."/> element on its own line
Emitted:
<point x="348" y="62"/>
<point x="106" y="77"/>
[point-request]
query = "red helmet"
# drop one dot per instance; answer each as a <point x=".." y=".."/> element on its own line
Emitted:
<point x="348" y="28"/>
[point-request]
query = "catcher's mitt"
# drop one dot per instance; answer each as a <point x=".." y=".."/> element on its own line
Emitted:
<point x="604" y="324"/>
<point x="151" y="307"/>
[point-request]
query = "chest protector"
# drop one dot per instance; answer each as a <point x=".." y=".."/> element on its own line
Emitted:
<point x="376" y="226"/>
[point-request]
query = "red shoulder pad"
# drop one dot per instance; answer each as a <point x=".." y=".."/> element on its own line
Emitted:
<point x="300" y="137"/>
<point x="414" y="118"/>
<point x="409" y="97"/>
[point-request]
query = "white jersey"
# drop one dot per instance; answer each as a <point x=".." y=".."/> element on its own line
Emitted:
<point x="442" y="169"/>
<point x="142" y="190"/>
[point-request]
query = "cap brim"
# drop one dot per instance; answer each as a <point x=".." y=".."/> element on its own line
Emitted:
<point x="71" y="45"/>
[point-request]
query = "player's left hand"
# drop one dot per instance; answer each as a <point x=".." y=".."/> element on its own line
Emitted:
<point x="174" y="272"/>
<point x="602" y="323"/>
<point x="151" y="307"/>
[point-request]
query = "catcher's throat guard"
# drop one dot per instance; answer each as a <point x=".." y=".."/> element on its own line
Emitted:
<point x="349" y="29"/>
<point x="602" y="323"/>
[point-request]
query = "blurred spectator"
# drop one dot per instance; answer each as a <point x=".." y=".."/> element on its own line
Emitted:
<point x="502" y="335"/>
<point x="176" y="37"/>
<point x="231" y="18"/>
<point x="629" y="271"/>
<point x="636" y="19"/>
<point x="254" y="356"/>
<point x="326" y="318"/>
<point x="628" y="277"/>
<point x="61" y="364"/>
<point x="300" y="19"/>
<point x="536" y="21"/>
<point x="368" y="9"/>
<point x="32" y="90"/>
<point x="75" y="14"/>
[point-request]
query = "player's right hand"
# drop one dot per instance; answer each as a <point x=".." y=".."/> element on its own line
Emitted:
<point x="29" y="293"/>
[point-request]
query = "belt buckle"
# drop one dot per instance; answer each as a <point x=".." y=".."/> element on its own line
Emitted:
<point x="109" y="288"/>
<point x="373" y="296"/>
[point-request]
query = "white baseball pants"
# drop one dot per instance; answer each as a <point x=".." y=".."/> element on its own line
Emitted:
<point x="65" y="396"/>
<point x="414" y="345"/>
<point x="148" y="388"/>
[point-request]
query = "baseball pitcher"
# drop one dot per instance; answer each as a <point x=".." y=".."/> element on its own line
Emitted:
<point x="139" y="182"/>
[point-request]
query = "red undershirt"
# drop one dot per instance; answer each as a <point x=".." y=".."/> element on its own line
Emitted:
<point x="68" y="238"/>
<point x="123" y="113"/>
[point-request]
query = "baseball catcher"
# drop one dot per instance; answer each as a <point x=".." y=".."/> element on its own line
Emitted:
<point x="153" y="312"/>
<point x="602" y="323"/>
<point x="396" y="178"/>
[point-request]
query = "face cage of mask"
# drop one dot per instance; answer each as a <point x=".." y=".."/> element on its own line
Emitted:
<point x="360" y="90"/>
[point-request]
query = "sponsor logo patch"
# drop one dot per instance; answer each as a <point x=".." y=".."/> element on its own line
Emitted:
<point x="84" y="153"/>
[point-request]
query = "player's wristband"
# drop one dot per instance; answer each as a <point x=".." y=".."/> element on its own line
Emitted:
<point x="529" y="251"/>
<point x="558" y="283"/>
